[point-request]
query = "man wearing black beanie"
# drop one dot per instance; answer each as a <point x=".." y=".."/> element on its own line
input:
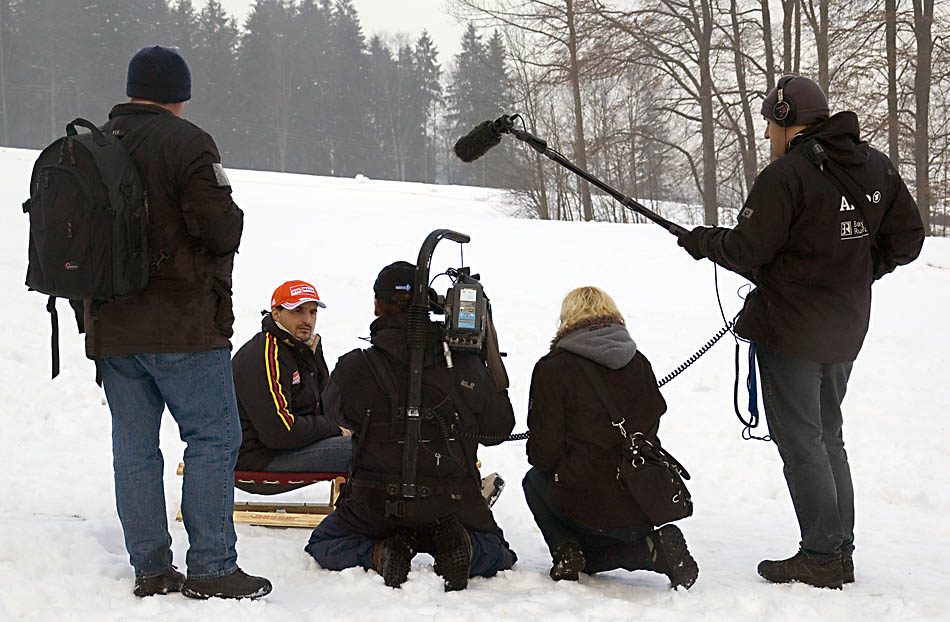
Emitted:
<point x="169" y="345"/>
<point x="828" y="217"/>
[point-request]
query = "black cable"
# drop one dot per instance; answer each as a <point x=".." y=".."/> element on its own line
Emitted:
<point x="753" y="421"/>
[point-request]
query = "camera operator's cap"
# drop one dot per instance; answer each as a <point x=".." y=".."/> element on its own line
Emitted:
<point x="809" y="101"/>
<point x="159" y="74"/>
<point x="396" y="277"/>
<point x="292" y="294"/>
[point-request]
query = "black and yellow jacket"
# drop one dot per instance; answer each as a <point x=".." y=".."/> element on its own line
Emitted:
<point x="278" y="381"/>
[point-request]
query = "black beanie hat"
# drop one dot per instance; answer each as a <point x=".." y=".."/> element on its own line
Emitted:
<point x="159" y="74"/>
<point x="396" y="277"/>
<point x="809" y="101"/>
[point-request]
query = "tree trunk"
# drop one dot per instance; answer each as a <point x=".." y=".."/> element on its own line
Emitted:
<point x="4" y="20"/>
<point x="767" y="39"/>
<point x="923" y="23"/>
<point x="788" y="17"/>
<point x="580" y="150"/>
<point x="710" y="202"/>
<point x="893" y="123"/>
<point x="747" y="139"/>
<point x="797" y="63"/>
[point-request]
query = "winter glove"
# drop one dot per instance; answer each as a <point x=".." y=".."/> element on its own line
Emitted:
<point x="690" y="241"/>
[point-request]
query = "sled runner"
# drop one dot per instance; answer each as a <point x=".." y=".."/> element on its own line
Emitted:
<point x="281" y="514"/>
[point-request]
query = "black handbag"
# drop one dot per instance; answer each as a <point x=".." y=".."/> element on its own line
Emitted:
<point x="652" y="476"/>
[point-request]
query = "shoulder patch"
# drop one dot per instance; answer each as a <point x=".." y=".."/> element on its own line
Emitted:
<point x="220" y="176"/>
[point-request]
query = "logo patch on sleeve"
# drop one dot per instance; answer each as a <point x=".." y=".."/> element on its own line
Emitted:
<point x="220" y="176"/>
<point x="296" y="379"/>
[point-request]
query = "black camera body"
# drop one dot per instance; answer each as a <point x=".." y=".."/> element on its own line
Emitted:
<point x="466" y="312"/>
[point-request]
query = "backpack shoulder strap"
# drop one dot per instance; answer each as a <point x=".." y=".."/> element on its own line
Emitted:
<point x="142" y="132"/>
<point x="846" y="185"/>
<point x="383" y="374"/>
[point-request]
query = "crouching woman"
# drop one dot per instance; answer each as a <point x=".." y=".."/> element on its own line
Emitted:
<point x="588" y="519"/>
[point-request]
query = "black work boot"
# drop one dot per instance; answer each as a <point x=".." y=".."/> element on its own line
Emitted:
<point x="847" y="568"/>
<point x="452" y="550"/>
<point x="802" y="569"/>
<point x="392" y="556"/>
<point x="568" y="561"/>
<point x="671" y="557"/>
<point x="238" y="584"/>
<point x="169" y="581"/>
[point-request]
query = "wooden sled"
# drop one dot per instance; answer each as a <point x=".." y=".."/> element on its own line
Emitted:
<point x="283" y="514"/>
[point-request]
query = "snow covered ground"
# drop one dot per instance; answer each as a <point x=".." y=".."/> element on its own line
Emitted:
<point x="61" y="551"/>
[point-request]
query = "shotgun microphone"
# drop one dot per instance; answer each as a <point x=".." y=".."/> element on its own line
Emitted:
<point x="486" y="135"/>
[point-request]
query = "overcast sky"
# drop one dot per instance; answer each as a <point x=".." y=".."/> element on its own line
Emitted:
<point x="390" y="17"/>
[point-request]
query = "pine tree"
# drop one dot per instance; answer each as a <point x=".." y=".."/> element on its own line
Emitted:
<point x="428" y="90"/>
<point x="310" y="148"/>
<point x="348" y="90"/>
<point x="479" y="92"/>
<point x="214" y="79"/>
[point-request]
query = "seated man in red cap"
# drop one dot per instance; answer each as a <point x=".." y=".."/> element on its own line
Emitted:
<point x="278" y="376"/>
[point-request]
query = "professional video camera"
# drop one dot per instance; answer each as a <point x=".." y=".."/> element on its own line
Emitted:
<point x="467" y="327"/>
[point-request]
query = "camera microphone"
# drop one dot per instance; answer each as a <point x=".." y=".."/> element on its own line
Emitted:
<point x="485" y="136"/>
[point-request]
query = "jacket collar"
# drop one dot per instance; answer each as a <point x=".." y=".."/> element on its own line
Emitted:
<point x="120" y="110"/>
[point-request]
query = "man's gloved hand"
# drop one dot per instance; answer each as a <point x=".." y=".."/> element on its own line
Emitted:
<point x="690" y="241"/>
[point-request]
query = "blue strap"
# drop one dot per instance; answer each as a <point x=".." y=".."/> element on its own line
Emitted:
<point x="753" y="384"/>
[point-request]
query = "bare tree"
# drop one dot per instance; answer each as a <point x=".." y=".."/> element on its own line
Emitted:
<point x="5" y="21"/>
<point x="556" y="27"/>
<point x="893" y="123"/>
<point x="676" y="38"/>
<point x="923" y="23"/>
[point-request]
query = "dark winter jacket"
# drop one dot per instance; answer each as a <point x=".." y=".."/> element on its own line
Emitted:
<point x="194" y="231"/>
<point x="463" y="399"/>
<point x="571" y="431"/>
<point x="808" y="250"/>
<point x="278" y="380"/>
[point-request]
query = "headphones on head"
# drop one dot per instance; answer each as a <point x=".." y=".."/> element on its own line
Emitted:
<point x="783" y="112"/>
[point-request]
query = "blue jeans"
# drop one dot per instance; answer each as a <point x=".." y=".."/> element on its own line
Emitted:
<point x="335" y="549"/>
<point x="329" y="455"/>
<point x="803" y="410"/>
<point x="604" y="549"/>
<point x="199" y="391"/>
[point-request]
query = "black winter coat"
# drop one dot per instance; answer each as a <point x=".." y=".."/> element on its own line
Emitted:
<point x="572" y="436"/>
<point x="194" y="231"/>
<point x="808" y="251"/>
<point x="446" y="462"/>
<point x="278" y="381"/>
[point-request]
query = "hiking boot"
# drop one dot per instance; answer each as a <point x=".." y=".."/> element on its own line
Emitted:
<point x="671" y="557"/>
<point x="847" y="568"/>
<point x="492" y="485"/>
<point x="392" y="556"/>
<point x="452" y="550"/>
<point x="169" y="581"/>
<point x="802" y="569"/>
<point x="568" y="561"/>
<point x="238" y="584"/>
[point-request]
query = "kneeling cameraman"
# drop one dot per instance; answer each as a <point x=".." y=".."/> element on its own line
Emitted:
<point x="373" y="526"/>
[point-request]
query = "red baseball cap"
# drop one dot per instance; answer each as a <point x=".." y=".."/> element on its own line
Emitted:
<point x="292" y="294"/>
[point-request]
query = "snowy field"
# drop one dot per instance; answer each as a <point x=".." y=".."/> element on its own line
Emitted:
<point x="61" y="551"/>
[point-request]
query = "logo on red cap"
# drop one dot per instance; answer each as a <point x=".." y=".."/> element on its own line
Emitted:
<point x="292" y="294"/>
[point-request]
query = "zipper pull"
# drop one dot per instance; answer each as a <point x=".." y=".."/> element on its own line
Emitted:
<point x="438" y="458"/>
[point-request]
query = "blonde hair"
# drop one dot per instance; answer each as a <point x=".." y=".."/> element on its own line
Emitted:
<point x="584" y="305"/>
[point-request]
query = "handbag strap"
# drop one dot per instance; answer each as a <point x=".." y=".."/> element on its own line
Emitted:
<point x="637" y="440"/>
<point x="616" y="419"/>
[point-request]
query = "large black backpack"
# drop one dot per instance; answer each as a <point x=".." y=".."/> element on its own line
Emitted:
<point x="88" y="220"/>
